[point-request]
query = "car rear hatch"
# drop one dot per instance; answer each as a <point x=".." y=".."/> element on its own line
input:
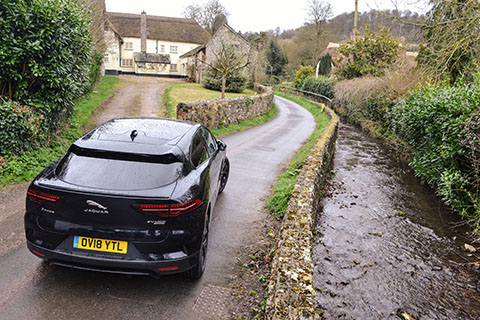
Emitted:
<point x="101" y="188"/>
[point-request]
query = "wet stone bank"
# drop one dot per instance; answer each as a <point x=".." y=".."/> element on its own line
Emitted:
<point x="385" y="244"/>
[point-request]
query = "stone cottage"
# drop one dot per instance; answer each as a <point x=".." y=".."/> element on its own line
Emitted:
<point x="199" y="58"/>
<point x="150" y="45"/>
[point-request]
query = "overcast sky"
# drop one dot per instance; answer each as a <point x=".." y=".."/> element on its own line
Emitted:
<point x="248" y="15"/>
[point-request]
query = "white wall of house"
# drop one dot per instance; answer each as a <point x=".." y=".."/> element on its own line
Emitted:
<point x="111" y="55"/>
<point x="132" y="45"/>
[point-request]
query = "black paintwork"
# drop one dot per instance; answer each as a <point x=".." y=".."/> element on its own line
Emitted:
<point x="121" y="163"/>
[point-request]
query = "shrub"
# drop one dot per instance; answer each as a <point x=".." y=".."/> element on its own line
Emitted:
<point x="302" y="73"/>
<point x="371" y="97"/>
<point x="371" y="54"/>
<point x="45" y="62"/>
<point x="236" y="81"/>
<point x="321" y="85"/>
<point x="451" y="40"/>
<point x="95" y="68"/>
<point x="442" y="125"/>
<point x="20" y="126"/>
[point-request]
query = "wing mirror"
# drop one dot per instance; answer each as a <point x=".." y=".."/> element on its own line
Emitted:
<point x="221" y="145"/>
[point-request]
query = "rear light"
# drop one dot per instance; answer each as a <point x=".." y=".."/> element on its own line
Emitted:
<point x="38" y="253"/>
<point x="41" y="197"/>
<point x="167" y="268"/>
<point x="168" y="209"/>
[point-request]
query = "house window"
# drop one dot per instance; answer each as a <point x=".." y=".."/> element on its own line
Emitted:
<point x="106" y="58"/>
<point x="128" y="45"/>
<point x="173" y="68"/>
<point x="127" y="63"/>
<point x="173" y="49"/>
<point x="162" y="48"/>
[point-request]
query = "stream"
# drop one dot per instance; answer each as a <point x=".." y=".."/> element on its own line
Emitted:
<point x="386" y="244"/>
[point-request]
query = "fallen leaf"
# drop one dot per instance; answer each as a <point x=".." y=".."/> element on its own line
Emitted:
<point x="469" y="248"/>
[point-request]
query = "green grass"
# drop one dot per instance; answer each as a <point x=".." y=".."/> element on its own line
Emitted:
<point x="29" y="164"/>
<point x="187" y="92"/>
<point x="223" y="131"/>
<point x="278" y="201"/>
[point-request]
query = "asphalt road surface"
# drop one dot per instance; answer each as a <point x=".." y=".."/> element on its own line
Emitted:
<point x="32" y="289"/>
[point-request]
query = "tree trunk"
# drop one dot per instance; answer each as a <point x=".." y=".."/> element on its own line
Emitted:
<point x="224" y="84"/>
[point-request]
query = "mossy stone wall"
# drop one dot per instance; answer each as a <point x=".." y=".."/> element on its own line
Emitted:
<point x="215" y="113"/>
<point x="291" y="292"/>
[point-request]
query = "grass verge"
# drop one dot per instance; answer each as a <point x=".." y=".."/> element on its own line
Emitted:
<point x="277" y="202"/>
<point x="186" y="92"/>
<point x="223" y="131"/>
<point x="29" y="164"/>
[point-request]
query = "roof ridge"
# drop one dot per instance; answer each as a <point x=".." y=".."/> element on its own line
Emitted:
<point x="152" y="17"/>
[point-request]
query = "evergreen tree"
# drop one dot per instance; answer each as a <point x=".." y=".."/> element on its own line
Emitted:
<point x="325" y="65"/>
<point x="276" y="59"/>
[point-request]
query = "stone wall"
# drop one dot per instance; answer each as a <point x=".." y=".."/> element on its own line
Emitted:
<point x="215" y="113"/>
<point x="291" y="292"/>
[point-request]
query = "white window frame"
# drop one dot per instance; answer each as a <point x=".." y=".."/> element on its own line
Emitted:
<point x="128" y="45"/>
<point x="127" y="63"/>
<point x="162" y="48"/>
<point x="173" y="67"/>
<point x="173" y="49"/>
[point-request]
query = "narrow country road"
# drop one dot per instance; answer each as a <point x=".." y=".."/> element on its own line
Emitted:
<point x="35" y="290"/>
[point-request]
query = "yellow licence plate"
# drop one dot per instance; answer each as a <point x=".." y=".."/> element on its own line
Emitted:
<point x="103" y="245"/>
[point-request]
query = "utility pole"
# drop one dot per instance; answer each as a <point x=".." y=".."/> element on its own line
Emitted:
<point x="355" y="21"/>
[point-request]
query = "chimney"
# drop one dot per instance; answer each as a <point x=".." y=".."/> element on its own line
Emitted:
<point x="143" y="32"/>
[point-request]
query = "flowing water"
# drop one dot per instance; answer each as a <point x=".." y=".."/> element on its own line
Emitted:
<point x="385" y="244"/>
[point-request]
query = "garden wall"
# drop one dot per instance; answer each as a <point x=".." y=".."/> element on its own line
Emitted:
<point x="291" y="292"/>
<point x="215" y="113"/>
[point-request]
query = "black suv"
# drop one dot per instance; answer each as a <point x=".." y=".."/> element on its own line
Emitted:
<point x="133" y="196"/>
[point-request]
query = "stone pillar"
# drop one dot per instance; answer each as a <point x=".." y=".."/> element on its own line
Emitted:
<point x="143" y="32"/>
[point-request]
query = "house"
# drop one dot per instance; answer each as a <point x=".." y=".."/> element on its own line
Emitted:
<point x="199" y="57"/>
<point x="143" y="44"/>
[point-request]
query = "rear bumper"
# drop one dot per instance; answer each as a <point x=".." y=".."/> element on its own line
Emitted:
<point x="101" y="264"/>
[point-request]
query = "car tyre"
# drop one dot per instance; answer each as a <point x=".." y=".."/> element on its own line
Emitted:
<point x="224" y="175"/>
<point x="197" y="271"/>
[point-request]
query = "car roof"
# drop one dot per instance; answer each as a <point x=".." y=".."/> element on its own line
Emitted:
<point x="139" y="135"/>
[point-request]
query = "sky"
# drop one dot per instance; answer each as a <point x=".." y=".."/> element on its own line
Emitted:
<point x="249" y="15"/>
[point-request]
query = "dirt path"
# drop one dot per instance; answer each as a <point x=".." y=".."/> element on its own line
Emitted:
<point x="136" y="96"/>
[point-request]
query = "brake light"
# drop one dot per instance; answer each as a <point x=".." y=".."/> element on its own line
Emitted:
<point x="41" y="197"/>
<point x="168" y="209"/>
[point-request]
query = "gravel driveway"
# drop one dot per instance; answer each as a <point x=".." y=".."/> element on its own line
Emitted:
<point x="135" y="96"/>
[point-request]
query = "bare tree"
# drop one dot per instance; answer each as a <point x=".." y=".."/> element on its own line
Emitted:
<point x="318" y="12"/>
<point x="193" y="11"/>
<point x="227" y="61"/>
<point x="210" y="15"/>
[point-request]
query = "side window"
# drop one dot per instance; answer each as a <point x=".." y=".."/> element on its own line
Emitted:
<point x="199" y="151"/>
<point x="211" y="142"/>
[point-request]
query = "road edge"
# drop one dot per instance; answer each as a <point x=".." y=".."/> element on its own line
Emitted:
<point x="291" y="292"/>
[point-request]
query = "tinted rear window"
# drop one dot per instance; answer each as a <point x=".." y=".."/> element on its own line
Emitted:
<point x="115" y="174"/>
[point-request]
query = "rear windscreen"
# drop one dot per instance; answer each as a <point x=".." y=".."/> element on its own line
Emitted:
<point x="115" y="174"/>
